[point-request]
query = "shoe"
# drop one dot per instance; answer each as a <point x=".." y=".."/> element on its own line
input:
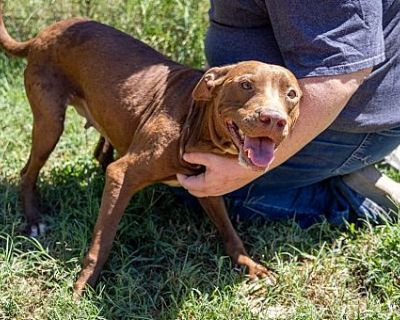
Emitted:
<point x="372" y="184"/>
<point x="394" y="158"/>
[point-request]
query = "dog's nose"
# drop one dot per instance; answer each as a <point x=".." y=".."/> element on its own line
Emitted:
<point x="272" y="118"/>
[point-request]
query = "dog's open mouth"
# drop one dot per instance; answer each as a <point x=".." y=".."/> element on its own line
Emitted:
<point x="255" y="152"/>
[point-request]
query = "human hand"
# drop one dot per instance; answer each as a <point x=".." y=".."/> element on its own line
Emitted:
<point x="222" y="175"/>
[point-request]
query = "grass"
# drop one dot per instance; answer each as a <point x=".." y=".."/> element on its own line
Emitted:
<point x="167" y="261"/>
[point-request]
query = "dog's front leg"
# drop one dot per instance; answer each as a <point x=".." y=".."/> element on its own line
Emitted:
<point x="216" y="211"/>
<point x="122" y="180"/>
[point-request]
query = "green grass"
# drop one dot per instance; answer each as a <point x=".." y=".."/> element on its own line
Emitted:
<point x="167" y="261"/>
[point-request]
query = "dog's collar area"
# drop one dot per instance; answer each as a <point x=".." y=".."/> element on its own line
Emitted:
<point x="185" y="136"/>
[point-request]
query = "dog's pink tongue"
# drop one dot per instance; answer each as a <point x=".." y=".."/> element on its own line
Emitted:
<point x="259" y="150"/>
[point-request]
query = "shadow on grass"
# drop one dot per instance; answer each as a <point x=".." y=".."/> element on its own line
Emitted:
<point x="163" y="250"/>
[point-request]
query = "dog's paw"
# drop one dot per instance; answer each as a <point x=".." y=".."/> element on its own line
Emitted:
<point x="37" y="229"/>
<point x="257" y="271"/>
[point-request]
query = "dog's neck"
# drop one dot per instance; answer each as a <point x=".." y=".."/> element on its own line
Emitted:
<point x="204" y="128"/>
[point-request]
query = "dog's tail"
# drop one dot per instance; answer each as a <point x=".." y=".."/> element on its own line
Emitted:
<point x="11" y="46"/>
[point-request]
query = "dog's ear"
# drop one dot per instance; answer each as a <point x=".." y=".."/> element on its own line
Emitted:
<point x="210" y="80"/>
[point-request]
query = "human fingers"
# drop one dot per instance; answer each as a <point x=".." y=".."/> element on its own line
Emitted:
<point x="194" y="184"/>
<point x="201" y="158"/>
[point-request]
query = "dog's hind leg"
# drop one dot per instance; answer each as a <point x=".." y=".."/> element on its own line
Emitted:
<point x="104" y="153"/>
<point x="48" y="101"/>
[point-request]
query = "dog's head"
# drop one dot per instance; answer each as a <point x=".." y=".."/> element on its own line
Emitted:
<point x="258" y="105"/>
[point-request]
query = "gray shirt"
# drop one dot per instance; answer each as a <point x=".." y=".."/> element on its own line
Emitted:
<point x="319" y="38"/>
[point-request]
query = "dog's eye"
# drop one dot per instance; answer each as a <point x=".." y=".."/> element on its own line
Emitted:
<point x="246" y="85"/>
<point x="292" y="94"/>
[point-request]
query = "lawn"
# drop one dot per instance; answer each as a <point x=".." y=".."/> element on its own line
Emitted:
<point x="167" y="261"/>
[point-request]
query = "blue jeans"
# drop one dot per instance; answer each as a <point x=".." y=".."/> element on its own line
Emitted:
<point x="308" y="187"/>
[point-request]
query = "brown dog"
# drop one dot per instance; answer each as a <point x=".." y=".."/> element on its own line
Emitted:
<point x="152" y="110"/>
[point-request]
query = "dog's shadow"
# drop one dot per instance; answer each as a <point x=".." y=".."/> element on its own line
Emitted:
<point x="163" y="250"/>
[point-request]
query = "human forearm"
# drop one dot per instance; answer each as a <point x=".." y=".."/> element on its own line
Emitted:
<point x="323" y="99"/>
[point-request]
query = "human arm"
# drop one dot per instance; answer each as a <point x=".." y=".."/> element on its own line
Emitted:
<point x="323" y="99"/>
<point x="329" y="46"/>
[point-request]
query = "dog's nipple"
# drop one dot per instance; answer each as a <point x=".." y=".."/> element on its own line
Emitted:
<point x="88" y="125"/>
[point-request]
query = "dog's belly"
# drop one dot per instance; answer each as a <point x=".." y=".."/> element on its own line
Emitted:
<point x="81" y="107"/>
